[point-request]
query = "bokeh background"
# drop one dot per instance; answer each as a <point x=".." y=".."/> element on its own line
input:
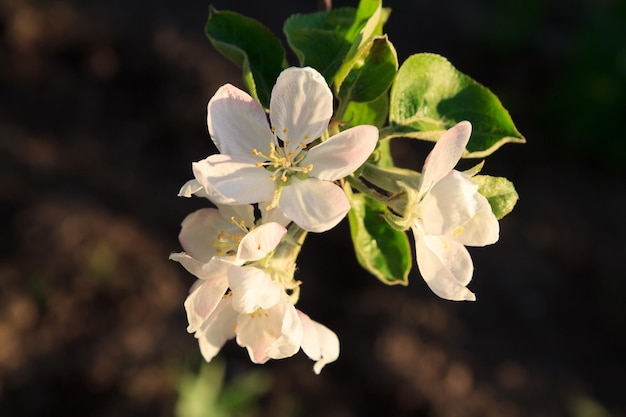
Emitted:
<point x="102" y="111"/>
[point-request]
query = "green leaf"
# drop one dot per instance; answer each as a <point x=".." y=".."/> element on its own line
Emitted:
<point x="371" y="72"/>
<point x="251" y="46"/>
<point x="368" y="22"/>
<point x="381" y="250"/>
<point x="369" y="113"/>
<point x="429" y="96"/>
<point x="500" y="193"/>
<point x="319" y="39"/>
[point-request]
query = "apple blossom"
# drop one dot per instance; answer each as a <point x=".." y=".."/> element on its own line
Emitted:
<point x="214" y="241"/>
<point x="448" y="214"/>
<point x="274" y="163"/>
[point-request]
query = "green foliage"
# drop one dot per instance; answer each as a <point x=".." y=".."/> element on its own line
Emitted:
<point x="383" y="251"/>
<point x="429" y="96"/>
<point x="207" y="395"/>
<point x="251" y="46"/>
<point x="370" y="72"/>
<point x="329" y="29"/>
<point x="500" y="193"/>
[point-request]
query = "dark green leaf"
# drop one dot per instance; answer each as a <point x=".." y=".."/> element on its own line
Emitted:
<point x="319" y="39"/>
<point x="251" y="46"/>
<point x="383" y="251"/>
<point x="371" y="72"/>
<point x="429" y="96"/>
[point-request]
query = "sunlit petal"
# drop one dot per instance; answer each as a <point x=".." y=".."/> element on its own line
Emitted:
<point x="233" y="180"/>
<point x="237" y="123"/>
<point x="343" y="153"/>
<point x="301" y="105"/>
<point x="445" y="265"/>
<point x="446" y="153"/>
<point x="260" y="241"/>
<point x="313" y="204"/>
<point x="252" y="289"/>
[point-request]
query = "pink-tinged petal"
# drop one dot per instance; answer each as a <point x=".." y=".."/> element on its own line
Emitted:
<point x="445" y="265"/>
<point x="198" y="232"/>
<point x="313" y="204"/>
<point x="203" y="300"/>
<point x="273" y="333"/>
<point x="482" y="229"/>
<point x="258" y="331"/>
<point x="252" y="289"/>
<point x="319" y="343"/>
<point x="301" y="105"/>
<point x="237" y="123"/>
<point x="234" y="180"/>
<point x="342" y="154"/>
<point x="288" y="343"/>
<point x="219" y="328"/>
<point x="260" y="241"/>
<point x="446" y="153"/>
<point x="450" y="204"/>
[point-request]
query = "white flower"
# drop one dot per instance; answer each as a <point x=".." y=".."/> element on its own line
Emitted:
<point x="449" y="215"/>
<point x="214" y="241"/>
<point x="258" y="312"/>
<point x="270" y="163"/>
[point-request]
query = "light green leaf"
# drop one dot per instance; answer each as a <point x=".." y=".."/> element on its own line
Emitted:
<point x="500" y="193"/>
<point x="381" y="250"/>
<point x="429" y="96"/>
<point x="319" y="39"/>
<point x="371" y="71"/>
<point x="251" y="46"/>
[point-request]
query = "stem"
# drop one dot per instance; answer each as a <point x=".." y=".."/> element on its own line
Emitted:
<point x="361" y="187"/>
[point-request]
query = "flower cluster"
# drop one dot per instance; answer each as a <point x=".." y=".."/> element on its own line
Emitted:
<point x="245" y="288"/>
<point x="281" y="175"/>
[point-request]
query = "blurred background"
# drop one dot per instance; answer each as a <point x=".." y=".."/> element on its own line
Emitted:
<point x="102" y="111"/>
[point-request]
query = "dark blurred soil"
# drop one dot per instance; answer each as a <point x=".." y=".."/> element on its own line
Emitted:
<point x="102" y="111"/>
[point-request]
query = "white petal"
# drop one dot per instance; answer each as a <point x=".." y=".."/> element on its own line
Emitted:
<point x="260" y="241"/>
<point x="446" y="153"/>
<point x="291" y="333"/>
<point x="203" y="300"/>
<point x="314" y="205"/>
<point x="219" y="328"/>
<point x="192" y="187"/>
<point x="319" y="342"/>
<point x="482" y="229"/>
<point x="237" y="123"/>
<point x="192" y="265"/>
<point x="301" y="105"/>
<point x="198" y="232"/>
<point x="252" y="289"/>
<point x="256" y="332"/>
<point x="445" y="265"/>
<point x="234" y="180"/>
<point x="343" y="153"/>
<point x="450" y="204"/>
